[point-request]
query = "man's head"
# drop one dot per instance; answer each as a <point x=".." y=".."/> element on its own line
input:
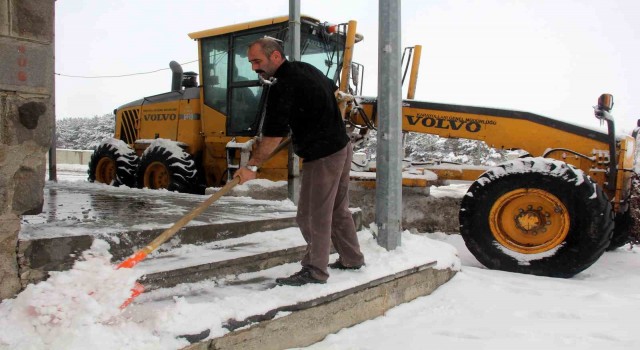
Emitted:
<point x="265" y="56"/>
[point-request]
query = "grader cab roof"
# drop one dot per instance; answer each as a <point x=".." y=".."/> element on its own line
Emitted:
<point x="253" y="24"/>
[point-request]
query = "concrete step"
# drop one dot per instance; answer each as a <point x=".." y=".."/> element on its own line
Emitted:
<point x="253" y="252"/>
<point x="38" y="256"/>
<point x="311" y="320"/>
<point x="200" y="272"/>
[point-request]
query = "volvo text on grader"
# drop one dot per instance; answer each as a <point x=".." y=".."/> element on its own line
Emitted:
<point x="552" y="212"/>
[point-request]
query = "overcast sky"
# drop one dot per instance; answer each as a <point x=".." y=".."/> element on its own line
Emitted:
<point x="549" y="57"/>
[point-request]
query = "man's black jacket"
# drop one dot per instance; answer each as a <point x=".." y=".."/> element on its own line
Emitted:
<point x="303" y="100"/>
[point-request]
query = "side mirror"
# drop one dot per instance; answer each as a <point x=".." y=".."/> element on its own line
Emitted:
<point x="355" y="74"/>
<point x="605" y="102"/>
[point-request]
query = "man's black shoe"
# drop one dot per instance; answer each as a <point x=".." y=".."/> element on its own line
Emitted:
<point x="299" y="278"/>
<point x="338" y="265"/>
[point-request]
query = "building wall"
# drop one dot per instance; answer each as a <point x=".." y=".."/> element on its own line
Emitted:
<point x="72" y="156"/>
<point x="26" y="121"/>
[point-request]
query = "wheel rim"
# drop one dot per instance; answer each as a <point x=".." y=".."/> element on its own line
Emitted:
<point x="529" y="221"/>
<point x="106" y="170"/>
<point x="156" y="176"/>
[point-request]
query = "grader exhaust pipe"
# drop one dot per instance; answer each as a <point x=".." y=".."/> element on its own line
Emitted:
<point x="176" y="77"/>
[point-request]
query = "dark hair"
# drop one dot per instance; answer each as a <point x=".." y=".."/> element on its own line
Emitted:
<point x="269" y="46"/>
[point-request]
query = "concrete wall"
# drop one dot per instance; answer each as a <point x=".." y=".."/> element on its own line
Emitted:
<point x="420" y="211"/>
<point x="26" y="121"/>
<point x="72" y="156"/>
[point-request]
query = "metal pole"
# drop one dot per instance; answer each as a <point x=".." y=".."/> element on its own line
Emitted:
<point x="53" y="170"/>
<point x="389" y="149"/>
<point x="294" y="30"/>
<point x="293" y="184"/>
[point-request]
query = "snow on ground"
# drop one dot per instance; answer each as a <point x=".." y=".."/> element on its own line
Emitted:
<point x="477" y="309"/>
<point x="486" y="309"/>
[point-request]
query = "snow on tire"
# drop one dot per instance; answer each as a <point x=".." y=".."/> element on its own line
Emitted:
<point x="114" y="163"/>
<point x="164" y="164"/>
<point x="537" y="216"/>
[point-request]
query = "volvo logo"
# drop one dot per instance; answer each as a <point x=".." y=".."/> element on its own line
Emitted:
<point x="429" y="121"/>
<point x="160" y="117"/>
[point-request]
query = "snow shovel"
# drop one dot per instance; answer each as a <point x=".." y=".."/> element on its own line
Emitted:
<point x="171" y="231"/>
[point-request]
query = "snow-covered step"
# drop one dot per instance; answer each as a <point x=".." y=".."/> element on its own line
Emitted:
<point x="39" y="255"/>
<point x="248" y="311"/>
<point x="234" y="256"/>
<point x="187" y="263"/>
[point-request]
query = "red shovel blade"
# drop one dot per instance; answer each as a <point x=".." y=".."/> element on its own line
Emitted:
<point x="138" y="288"/>
<point x="135" y="291"/>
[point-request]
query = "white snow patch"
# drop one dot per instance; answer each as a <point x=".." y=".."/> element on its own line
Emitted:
<point x="172" y="146"/>
<point x="73" y="308"/>
<point x="121" y="147"/>
<point x="526" y="259"/>
<point x="453" y="190"/>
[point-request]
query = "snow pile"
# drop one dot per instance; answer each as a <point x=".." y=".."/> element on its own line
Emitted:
<point x="175" y="148"/>
<point x="122" y="149"/>
<point x="73" y="308"/>
<point x="413" y="249"/>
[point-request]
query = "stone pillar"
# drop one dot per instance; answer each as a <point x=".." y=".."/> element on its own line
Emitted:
<point x="26" y="121"/>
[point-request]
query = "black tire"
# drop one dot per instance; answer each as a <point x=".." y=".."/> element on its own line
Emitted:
<point x="623" y="224"/>
<point x="536" y="216"/>
<point x="174" y="170"/>
<point x="113" y="163"/>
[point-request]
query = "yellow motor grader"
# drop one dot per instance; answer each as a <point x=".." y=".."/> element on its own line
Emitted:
<point x="552" y="212"/>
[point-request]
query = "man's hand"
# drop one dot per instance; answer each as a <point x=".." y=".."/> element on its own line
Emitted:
<point x="245" y="174"/>
<point x="260" y="155"/>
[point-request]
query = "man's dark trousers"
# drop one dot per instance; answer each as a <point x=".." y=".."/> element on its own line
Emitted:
<point x="323" y="213"/>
